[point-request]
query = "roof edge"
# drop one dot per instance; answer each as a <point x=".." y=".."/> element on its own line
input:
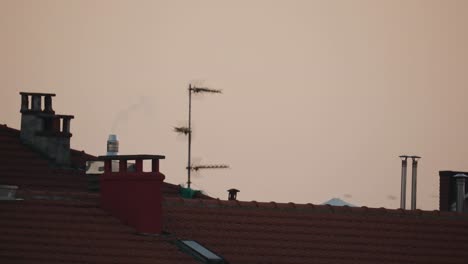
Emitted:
<point x="325" y="209"/>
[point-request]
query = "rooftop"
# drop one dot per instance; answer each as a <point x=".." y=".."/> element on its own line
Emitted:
<point x="59" y="220"/>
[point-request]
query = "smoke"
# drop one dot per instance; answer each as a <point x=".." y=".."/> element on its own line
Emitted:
<point x="122" y="117"/>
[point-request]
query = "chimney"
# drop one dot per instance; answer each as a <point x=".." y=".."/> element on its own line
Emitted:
<point x="404" y="168"/>
<point x="445" y="190"/>
<point x="42" y="129"/>
<point x="448" y="190"/>
<point x="461" y="181"/>
<point x="414" y="182"/>
<point x="134" y="197"/>
<point x="232" y="194"/>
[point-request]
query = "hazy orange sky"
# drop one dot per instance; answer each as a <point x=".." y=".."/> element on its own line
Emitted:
<point x="320" y="97"/>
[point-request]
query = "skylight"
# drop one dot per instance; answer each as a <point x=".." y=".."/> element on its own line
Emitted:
<point x="200" y="252"/>
<point x="8" y="192"/>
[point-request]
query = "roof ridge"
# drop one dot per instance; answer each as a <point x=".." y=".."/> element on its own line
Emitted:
<point x="363" y="210"/>
<point x="65" y="196"/>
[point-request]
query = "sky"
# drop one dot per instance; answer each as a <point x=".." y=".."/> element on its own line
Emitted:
<point x="319" y="97"/>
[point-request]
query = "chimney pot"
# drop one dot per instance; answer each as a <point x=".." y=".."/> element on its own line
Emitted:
<point x="66" y="125"/>
<point x="36" y="103"/>
<point x="24" y="103"/>
<point x="48" y="104"/>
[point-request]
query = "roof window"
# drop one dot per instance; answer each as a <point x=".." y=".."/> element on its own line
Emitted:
<point x="8" y="192"/>
<point x="200" y="252"/>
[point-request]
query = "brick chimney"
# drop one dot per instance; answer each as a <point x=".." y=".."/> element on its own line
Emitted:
<point x="134" y="197"/>
<point x="42" y="129"/>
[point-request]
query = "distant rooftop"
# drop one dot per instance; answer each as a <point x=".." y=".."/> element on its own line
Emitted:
<point x="338" y="202"/>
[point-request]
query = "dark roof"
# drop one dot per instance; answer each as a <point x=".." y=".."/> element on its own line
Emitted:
<point x="59" y="222"/>
<point x="22" y="166"/>
<point x="253" y="232"/>
<point x="47" y="229"/>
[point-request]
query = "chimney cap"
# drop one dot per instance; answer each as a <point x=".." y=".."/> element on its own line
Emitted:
<point x="131" y="157"/>
<point x="56" y="116"/>
<point x="233" y="190"/>
<point x="415" y="157"/>
<point x="404" y="156"/>
<point x="40" y="94"/>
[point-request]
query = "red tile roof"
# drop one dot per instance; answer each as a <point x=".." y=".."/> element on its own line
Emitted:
<point x="58" y="222"/>
<point x="73" y="231"/>
<point x="20" y="165"/>
<point x="252" y="232"/>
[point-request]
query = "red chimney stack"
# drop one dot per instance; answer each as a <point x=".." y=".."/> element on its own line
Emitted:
<point x="133" y="196"/>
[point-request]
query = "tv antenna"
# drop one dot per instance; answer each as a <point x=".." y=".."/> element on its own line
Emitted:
<point x="187" y="131"/>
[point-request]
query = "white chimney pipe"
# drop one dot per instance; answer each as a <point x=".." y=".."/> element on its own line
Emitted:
<point x="112" y="145"/>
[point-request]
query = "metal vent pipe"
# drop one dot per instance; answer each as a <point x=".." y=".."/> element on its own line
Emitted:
<point x="404" y="168"/>
<point x="461" y="181"/>
<point x="414" y="181"/>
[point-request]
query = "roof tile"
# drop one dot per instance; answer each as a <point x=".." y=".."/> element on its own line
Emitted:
<point x="60" y="223"/>
<point x="323" y="234"/>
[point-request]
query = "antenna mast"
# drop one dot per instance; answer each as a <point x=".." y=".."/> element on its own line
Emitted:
<point x="188" y="132"/>
<point x="189" y="160"/>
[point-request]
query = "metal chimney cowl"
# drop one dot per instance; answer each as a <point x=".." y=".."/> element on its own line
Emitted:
<point x="448" y="190"/>
<point x="461" y="182"/>
<point x="112" y="145"/>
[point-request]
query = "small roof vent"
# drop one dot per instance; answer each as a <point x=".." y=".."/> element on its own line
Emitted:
<point x="8" y="192"/>
<point x="232" y="194"/>
<point x="200" y="252"/>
